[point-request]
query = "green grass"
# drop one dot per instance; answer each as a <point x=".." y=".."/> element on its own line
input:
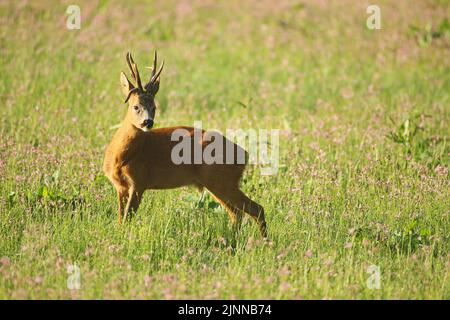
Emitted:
<point x="364" y="150"/>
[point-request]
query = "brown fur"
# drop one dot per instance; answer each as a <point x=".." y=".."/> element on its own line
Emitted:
<point x="137" y="160"/>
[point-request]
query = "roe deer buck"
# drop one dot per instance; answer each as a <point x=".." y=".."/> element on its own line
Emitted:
<point x="139" y="157"/>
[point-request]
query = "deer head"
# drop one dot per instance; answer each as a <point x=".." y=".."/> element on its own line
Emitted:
<point x="141" y="99"/>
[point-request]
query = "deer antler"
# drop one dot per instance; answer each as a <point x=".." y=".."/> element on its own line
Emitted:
<point x="155" y="61"/>
<point x="155" y="74"/>
<point x="134" y="71"/>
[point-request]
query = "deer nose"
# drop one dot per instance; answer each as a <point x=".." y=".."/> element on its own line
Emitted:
<point x="147" y="123"/>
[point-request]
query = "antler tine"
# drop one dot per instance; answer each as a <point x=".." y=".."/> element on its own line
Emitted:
<point x="134" y="70"/>
<point x="155" y="61"/>
<point x="156" y="75"/>
<point x="129" y="65"/>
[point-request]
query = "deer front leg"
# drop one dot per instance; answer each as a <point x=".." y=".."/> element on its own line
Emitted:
<point x="121" y="186"/>
<point x="122" y="199"/>
<point x="134" y="199"/>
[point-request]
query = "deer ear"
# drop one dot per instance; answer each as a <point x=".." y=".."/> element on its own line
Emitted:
<point x="125" y="84"/>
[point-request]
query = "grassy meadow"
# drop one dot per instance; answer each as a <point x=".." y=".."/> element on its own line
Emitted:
<point x="363" y="180"/>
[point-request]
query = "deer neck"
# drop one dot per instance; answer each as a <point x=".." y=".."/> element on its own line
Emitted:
<point x="128" y="129"/>
<point x="129" y="139"/>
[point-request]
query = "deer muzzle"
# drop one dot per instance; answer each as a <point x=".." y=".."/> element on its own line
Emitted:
<point x="148" y="123"/>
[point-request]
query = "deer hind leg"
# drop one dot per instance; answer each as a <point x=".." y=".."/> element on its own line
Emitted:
<point x="134" y="200"/>
<point x="235" y="198"/>
<point x="234" y="213"/>
<point x="254" y="209"/>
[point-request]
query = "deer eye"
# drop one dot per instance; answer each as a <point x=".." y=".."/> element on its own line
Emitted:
<point x="136" y="108"/>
